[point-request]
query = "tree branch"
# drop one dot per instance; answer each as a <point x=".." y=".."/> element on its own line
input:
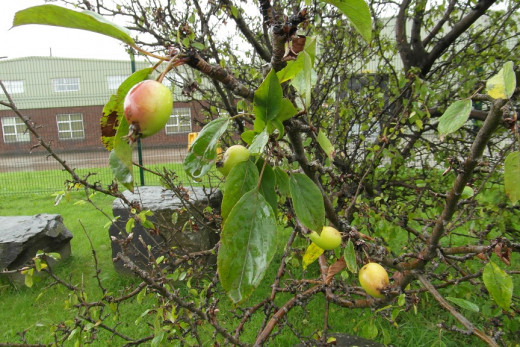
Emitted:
<point x="463" y="320"/>
<point x="249" y="35"/>
<point x="458" y="29"/>
<point x="218" y="73"/>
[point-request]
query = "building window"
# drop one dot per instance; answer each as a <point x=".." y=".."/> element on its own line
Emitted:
<point x="70" y="84"/>
<point x="180" y="121"/>
<point x="114" y="82"/>
<point x="70" y="126"/>
<point x="14" y="130"/>
<point x="13" y="87"/>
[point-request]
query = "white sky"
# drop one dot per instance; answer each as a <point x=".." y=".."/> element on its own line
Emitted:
<point x="41" y="40"/>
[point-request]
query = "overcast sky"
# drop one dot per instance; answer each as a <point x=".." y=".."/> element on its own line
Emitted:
<point x="44" y="40"/>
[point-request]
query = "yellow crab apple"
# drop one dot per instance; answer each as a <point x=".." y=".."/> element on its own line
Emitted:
<point x="329" y="238"/>
<point x="232" y="156"/>
<point x="373" y="277"/>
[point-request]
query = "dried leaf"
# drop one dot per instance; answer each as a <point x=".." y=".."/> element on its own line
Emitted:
<point x="335" y="268"/>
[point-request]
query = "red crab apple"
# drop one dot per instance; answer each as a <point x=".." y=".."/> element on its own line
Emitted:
<point x="233" y="155"/>
<point x="373" y="277"/>
<point x="329" y="238"/>
<point x="147" y="107"/>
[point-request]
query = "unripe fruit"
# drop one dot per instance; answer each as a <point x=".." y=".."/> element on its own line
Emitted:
<point x="329" y="239"/>
<point x="147" y="107"/>
<point x="233" y="155"/>
<point x="373" y="277"/>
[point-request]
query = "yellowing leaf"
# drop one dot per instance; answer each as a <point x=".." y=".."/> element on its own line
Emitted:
<point x="499" y="285"/>
<point x="503" y="84"/>
<point x="512" y="176"/>
<point x="312" y="253"/>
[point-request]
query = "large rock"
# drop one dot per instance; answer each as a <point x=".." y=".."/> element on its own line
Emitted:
<point x="176" y="231"/>
<point x="346" y="340"/>
<point x="22" y="236"/>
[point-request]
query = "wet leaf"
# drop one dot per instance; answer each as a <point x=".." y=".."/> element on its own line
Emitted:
<point x="248" y="244"/>
<point x="499" y="285"/>
<point x="63" y="17"/>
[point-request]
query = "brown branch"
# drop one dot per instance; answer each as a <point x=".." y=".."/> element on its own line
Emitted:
<point x="440" y="23"/>
<point x="218" y="73"/>
<point x="429" y="252"/>
<point x="264" y="334"/>
<point x="463" y="320"/>
<point x="458" y="29"/>
<point x="249" y="35"/>
<point x="164" y="292"/>
<point x="401" y="39"/>
<point x="419" y="52"/>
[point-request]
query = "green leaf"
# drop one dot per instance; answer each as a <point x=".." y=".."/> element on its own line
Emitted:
<point x="465" y="304"/>
<point x="288" y="110"/>
<point x="401" y="300"/>
<point x="306" y="78"/>
<point x="282" y="181"/>
<point x="120" y="159"/>
<point x="454" y="117"/>
<point x="307" y="201"/>
<point x="123" y="173"/>
<point x="113" y="110"/>
<point x="325" y="144"/>
<point x="248" y="244"/>
<point x="259" y="142"/>
<point x="292" y="69"/>
<point x="358" y="13"/>
<point x="312" y="253"/>
<point x="241" y="179"/>
<point x="29" y="278"/>
<point x="467" y="193"/>
<point x="203" y="151"/>
<point x="267" y="101"/>
<point x="349" y="254"/>
<point x="512" y="176"/>
<point x="158" y="339"/>
<point x="130" y="225"/>
<point x="499" y="285"/>
<point x="63" y="17"/>
<point x="248" y="136"/>
<point x="369" y="330"/>
<point x="267" y="183"/>
<point x="503" y="84"/>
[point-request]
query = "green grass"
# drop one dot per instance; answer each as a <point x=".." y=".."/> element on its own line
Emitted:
<point x="48" y="181"/>
<point x="41" y="306"/>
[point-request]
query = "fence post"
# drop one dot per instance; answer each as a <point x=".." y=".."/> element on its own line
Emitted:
<point x="139" y="148"/>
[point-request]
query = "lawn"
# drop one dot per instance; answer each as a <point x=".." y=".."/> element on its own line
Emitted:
<point x="36" y="310"/>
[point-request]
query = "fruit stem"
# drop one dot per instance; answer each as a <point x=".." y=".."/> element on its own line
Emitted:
<point x="140" y="50"/>
<point x="171" y="64"/>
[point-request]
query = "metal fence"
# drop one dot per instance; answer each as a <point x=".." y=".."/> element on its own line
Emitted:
<point x="64" y="98"/>
<point x="29" y="173"/>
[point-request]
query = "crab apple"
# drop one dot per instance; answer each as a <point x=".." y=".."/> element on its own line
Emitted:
<point x="233" y="155"/>
<point x="329" y="238"/>
<point x="373" y="277"/>
<point x="147" y="108"/>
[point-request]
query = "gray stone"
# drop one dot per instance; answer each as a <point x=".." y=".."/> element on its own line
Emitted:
<point x="346" y="340"/>
<point x="172" y="235"/>
<point x="21" y="237"/>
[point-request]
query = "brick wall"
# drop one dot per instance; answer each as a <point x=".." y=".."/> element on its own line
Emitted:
<point x="45" y="119"/>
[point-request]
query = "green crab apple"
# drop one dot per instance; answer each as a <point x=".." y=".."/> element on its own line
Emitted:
<point x="147" y="108"/>
<point x="329" y="238"/>
<point x="373" y="277"/>
<point x="232" y="156"/>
